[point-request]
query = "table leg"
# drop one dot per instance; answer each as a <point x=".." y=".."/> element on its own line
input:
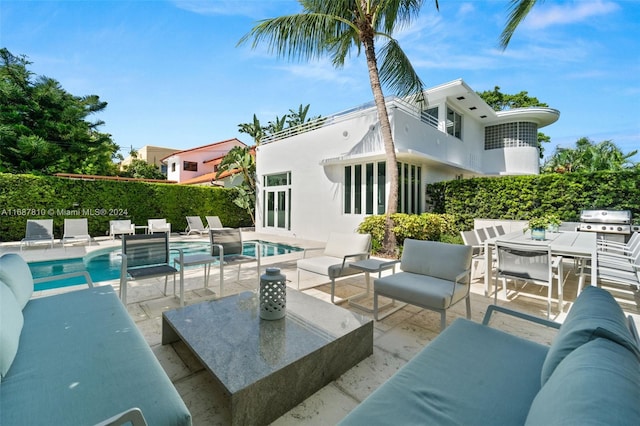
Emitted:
<point x="353" y="300"/>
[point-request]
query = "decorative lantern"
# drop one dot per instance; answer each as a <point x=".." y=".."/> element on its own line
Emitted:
<point x="273" y="295"/>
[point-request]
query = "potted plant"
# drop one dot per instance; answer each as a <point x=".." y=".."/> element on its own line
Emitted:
<point x="538" y="226"/>
<point x="553" y="222"/>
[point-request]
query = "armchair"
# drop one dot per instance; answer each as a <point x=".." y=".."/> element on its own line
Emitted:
<point x="340" y="251"/>
<point x="434" y="276"/>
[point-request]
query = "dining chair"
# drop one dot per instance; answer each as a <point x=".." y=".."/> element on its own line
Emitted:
<point x="478" y="255"/>
<point x="529" y="263"/>
<point x="481" y="233"/>
<point x="500" y="230"/>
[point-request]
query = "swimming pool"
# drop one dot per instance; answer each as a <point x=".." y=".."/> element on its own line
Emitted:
<point x="104" y="264"/>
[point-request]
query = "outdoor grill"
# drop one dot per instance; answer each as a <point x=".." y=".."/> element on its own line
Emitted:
<point x="606" y="223"/>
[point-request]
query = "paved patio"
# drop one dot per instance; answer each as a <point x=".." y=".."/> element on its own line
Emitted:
<point x="396" y="339"/>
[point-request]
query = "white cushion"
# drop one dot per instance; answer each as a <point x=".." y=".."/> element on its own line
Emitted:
<point x="341" y="245"/>
<point x="15" y="273"/>
<point x="11" y="321"/>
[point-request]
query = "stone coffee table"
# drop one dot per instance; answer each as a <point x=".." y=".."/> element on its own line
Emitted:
<point x="266" y="368"/>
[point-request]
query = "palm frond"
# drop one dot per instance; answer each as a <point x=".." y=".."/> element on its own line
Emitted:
<point x="397" y="73"/>
<point x="519" y="9"/>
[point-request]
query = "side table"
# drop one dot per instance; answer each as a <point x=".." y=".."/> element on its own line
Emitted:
<point x="368" y="266"/>
<point x="145" y="228"/>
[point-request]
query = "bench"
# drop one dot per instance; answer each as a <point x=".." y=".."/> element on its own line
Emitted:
<point x="76" y="358"/>
<point x="473" y="374"/>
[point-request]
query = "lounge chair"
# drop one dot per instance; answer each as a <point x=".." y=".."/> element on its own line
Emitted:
<point x="121" y="227"/>
<point x="76" y="230"/>
<point x="158" y="225"/>
<point x="195" y="226"/>
<point x="213" y="222"/>
<point x="341" y="250"/>
<point x="38" y="231"/>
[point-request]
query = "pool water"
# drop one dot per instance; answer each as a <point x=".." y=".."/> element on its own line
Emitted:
<point x="104" y="264"/>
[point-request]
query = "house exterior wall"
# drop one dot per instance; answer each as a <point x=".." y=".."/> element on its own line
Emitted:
<point x="316" y="159"/>
<point x="150" y="154"/>
<point x="201" y="157"/>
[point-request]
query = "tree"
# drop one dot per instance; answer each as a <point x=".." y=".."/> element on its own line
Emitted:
<point x="255" y="130"/>
<point x="140" y="169"/>
<point x="333" y="28"/>
<point x="588" y="156"/>
<point x="519" y="10"/>
<point x="502" y="102"/>
<point x="44" y="129"/>
<point x="242" y="160"/>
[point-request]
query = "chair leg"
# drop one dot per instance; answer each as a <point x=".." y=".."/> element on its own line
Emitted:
<point x="333" y="290"/>
<point x="375" y="306"/>
<point x="443" y="320"/>
<point x="221" y="279"/>
<point x="468" y="306"/>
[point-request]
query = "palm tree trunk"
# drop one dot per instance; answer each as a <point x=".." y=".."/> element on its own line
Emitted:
<point x="389" y="242"/>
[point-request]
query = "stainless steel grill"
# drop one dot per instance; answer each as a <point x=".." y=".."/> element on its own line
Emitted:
<point x="606" y="221"/>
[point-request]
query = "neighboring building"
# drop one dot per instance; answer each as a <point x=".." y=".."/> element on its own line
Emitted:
<point x="198" y="165"/>
<point x="315" y="180"/>
<point x="152" y="155"/>
<point x="226" y="179"/>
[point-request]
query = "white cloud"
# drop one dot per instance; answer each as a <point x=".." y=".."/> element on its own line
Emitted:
<point x="256" y="9"/>
<point x="466" y="8"/>
<point x="578" y="11"/>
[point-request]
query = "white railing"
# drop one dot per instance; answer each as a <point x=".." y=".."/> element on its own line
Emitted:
<point x="392" y="102"/>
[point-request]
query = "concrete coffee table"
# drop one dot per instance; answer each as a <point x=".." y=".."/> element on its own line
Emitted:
<point x="265" y="367"/>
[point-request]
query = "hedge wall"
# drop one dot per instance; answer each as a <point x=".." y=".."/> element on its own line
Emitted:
<point x="523" y="197"/>
<point x="25" y="197"/>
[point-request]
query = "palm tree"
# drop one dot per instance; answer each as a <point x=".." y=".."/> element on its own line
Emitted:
<point x="333" y="28"/>
<point x="255" y="129"/>
<point x="519" y="10"/>
<point x="588" y="156"/>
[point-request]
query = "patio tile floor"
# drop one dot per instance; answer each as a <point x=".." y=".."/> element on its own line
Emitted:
<point x="396" y="338"/>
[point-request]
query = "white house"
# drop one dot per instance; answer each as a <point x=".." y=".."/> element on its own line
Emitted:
<point x="329" y="176"/>
<point x="194" y="165"/>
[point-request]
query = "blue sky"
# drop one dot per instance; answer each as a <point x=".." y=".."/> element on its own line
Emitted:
<point x="173" y="76"/>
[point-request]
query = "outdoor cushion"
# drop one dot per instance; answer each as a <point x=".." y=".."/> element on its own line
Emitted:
<point x="596" y="384"/>
<point x="326" y="265"/>
<point x="445" y="261"/>
<point x="15" y="273"/>
<point x="11" y="321"/>
<point x="595" y="313"/>
<point x="82" y="360"/>
<point x="421" y="290"/>
<point x="341" y="245"/>
<point x="469" y="375"/>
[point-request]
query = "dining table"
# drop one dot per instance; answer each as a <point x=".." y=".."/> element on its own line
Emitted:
<point x="573" y="244"/>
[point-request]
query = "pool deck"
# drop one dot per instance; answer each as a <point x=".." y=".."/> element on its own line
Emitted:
<point x="397" y="338"/>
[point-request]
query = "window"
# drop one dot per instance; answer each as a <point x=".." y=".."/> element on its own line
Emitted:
<point x="279" y="179"/>
<point x="173" y="167"/>
<point x="511" y="135"/>
<point x="365" y="186"/>
<point x="190" y="166"/>
<point x="454" y="123"/>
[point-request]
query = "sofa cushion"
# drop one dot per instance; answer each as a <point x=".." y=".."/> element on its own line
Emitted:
<point x="596" y="384"/>
<point x="82" y="360"/>
<point x="436" y="259"/>
<point x="11" y="321"/>
<point x="421" y="290"/>
<point x="595" y="313"/>
<point x="465" y="376"/>
<point x="15" y="272"/>
<point x="341" y="245"/>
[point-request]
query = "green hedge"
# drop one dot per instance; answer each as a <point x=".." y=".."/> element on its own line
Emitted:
<point x="25" y="197"/>
<point x="426" y="226"/>
<point x="523" y="197"/>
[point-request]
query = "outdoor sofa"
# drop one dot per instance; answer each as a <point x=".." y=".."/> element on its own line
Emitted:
<point x="76" y="358"/>
<point x="473" y="374"/>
